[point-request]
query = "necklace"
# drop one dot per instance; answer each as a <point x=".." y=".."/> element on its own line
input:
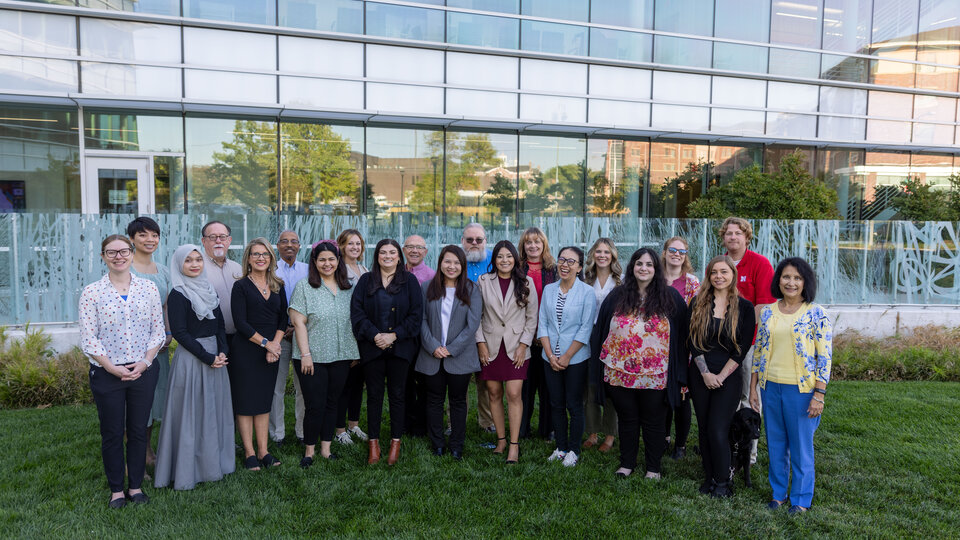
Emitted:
<point x="263" y="290"/>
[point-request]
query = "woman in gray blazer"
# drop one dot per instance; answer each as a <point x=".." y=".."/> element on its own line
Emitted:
<point x="448" y="356"/>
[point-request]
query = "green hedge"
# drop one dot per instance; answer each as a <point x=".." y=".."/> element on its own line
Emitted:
<point x="928" y="353"/>
<point x="33" y="375"/>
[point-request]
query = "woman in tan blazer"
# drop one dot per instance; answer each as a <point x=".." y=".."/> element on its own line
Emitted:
<point x="508" y="326"/>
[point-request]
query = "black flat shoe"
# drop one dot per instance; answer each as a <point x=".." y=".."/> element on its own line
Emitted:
<point x="251" y="463"/>
<point x="306" y="462"/>
<point x="332" y="456"/>
<point x="269" y="461"/>
<point x="722" y="490"/>
<point x="457" y="454"/>
<point x="117" y="503"/>
<point x="138" y="498"/>
<point x="438" y="451"/>
<point x="678" y="452"/>
<point x="706" y="488"/>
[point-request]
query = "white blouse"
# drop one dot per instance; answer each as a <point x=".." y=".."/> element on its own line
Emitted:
<point x="122" y="330"/>
<point x="602" y="292"/>
<point x="446" y="308"/>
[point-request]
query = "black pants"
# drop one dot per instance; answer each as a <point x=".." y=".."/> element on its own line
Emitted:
<point x="351" y="399"/>
<point x="715" y="410"/>
<point x="636" y="408"/>
<point x="416" y="403"/>
<point x="533" y="384"/>
<point x="123" y="405"/>
<point x="391" y="370"/>
<point x="566" y="389"/>
<point x="321" y="395"/>
<point x="682" y="416"/>
<point x="439" y="386"/>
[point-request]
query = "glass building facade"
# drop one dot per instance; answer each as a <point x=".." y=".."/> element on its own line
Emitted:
<point x="464" y="110"/>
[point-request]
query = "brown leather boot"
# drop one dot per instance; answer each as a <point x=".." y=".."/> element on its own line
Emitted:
<point x="394" y="452"/>
<point x="373" y="456"/>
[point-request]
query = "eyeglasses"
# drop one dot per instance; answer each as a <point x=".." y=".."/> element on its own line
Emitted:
<point x="291" y="242"/>
<point x="567" y="262"/>
<point x="416" y="248"/>
<point x="113" y="253"/>
<point x="673" y="250"/>
<point x="217" y="237"/>
<point x="259" y="255"/>
<point x="478" y="240"/>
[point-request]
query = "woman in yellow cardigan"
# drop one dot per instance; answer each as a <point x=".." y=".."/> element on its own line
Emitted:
<point x="791" y="364"/>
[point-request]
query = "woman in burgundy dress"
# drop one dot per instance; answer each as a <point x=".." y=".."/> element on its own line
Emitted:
<point x="508" y="326"/>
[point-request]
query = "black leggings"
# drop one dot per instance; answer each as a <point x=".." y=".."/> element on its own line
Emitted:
<point x="321" y="394"/>
<point x="682" y="416"/>
<point x="636" y="408"/>
<point x="715" y="410"/>
<point x="387" y="371"/>
<point x="533" y="384"/>
<point x="566" y="394"/>
<point x="438" y="385"/>
<point x="351" y="399"/>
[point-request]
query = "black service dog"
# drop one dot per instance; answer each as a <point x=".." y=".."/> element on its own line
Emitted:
<point x="743" y="430"/>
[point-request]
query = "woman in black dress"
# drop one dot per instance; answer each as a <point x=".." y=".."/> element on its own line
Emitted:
<point x="259" y="307"/>
<point x="386" y="311"/>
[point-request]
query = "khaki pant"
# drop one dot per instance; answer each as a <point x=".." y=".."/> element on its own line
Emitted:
<point x="746" y="371"/>
<point x="484" y="417"/>
<point x="277" y="426"/>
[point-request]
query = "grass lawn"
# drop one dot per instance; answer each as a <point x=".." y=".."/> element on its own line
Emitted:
<point x="888" y="465"/>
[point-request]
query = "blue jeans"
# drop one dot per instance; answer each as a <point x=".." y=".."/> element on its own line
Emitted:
<point x="789" y="441"/>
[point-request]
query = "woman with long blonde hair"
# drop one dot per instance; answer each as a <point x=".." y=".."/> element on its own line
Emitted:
<point x="538" y="263"/>
<point x="721" y="331"/>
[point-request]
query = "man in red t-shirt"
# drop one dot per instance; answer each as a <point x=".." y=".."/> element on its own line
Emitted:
<point x="754" y="274"/>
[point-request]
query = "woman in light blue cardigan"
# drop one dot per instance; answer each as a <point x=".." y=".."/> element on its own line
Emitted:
<point x="564" y="327"/>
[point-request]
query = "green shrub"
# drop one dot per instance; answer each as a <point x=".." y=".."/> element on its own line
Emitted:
<point x="927" y="353"/>
<point x="33" y="375"/>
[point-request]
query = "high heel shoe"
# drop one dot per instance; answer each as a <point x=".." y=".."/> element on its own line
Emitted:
<point x="498" y="444"/>
<point x="514" y="461"/>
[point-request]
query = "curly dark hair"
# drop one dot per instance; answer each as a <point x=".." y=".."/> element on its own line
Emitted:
<point x="656" y="300"/>
<point x="520" y="289"/>
<point x="806" y="272"/>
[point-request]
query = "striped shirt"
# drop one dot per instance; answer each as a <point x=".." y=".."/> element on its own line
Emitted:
<point x="561" y="300"/>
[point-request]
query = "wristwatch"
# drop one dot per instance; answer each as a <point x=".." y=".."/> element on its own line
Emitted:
<point x="263" y="343"/>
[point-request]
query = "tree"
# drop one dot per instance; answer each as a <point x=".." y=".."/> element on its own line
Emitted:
<point x="558" y="189"/>
<point x="789" y="193"/>
<point x="466" y="159"/>
<point x="502" y="195"/>
<point x="244" y="173"/>
<point x="918" y="201"/>
<point x="676" y="194"/>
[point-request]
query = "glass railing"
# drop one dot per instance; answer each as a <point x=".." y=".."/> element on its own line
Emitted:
<point x="46" y="259"/>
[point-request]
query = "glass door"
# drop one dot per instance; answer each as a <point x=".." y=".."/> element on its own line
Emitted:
<point x="118" y="186"/>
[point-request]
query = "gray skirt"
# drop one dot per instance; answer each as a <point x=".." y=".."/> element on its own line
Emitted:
<point x="197" y="433"/>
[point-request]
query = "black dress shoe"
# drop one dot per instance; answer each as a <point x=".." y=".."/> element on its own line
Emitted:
<point x="678" y="452"/>
<point x="706" y="488"/>
<point x="117" y="503"/>
<point x="278" y="443"/>
<point x="139" y="498"/>
<point x="722" y="490"/>
<point x="306" y="462"/>
<point x="332" y="456"/>
<point x="438" y="451"/>
<point x="457" y="454"/>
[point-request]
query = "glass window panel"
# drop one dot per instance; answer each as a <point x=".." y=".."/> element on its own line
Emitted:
<point x="477" y="104"/>
<point x="242" y="11"/>
<point x="794" y="63"/>
<point x="932" y="169"/>
<point x="620" y="45"/>
<point x="127" y="80"/>
<point x="404" y="22"/>
<point x="224" y="49"/>
<point x="405" y="99"/>
<point x="553" y="108"/>
<point x="934" y="108"/>
<point x="936" y="77"/>
<point x="553" y="38"/>
<point x="158" y="7"/>
<point x="939" y="42"/>
<point x="482" y="70"/>
<point x="225" y="86"/>
<point x="23" y="32"/>
<point x="321" y="93"/>
<point x="677" y="176"/>
<point x="168" y="184"/>
<point x="793" y="97"/>
<point x="321" y="57"/>
<point x="682" y="52"/>
<point x="39" y="160"/>
<point x="619" y="113"/>
<point x="121" y="40"/>
<point x="481" y="179"/>
<point x="843" y="100"/>
<point x="571" y="10"/>
<point x="748" y="20"/>
<point x="846" y="26"/>
<point x="547" y="76"/>
<point x="727" y="160"/>
<point x="632" y="13"/>
<point x="735" y="121"/>
<point x="842" y="129"/>
<point x="328" y="15"/>
<point x="940" y="134"/>
<point x="404" y="64"/>
<point x="795" y="22"/>
<point x="844" y="68"/>
<point x="137" y="132"/>
<point x="890" y="105"/>
<point x="739" y="92"/>
<point x="231" y="165"/>
<point x="801" y="126"/>
<point x="894" y="23"/>
<point x="773" y="154"/>
<point x="685" y="16"/>
<point x="842" y="169"/>
<point x="554" y="184"/>
<point x="878" y="181"/>
<point x="682" y="87"/>
<point x="20" y="73"/>
<point x="503" y="6"/>
<point x="483" y="30"/>
<point x="620" y="82"/>
<point x="322" y="168"/>
<point x="734" y="57"/>
<point x="398" y="160"/>
<point x="888" y="131"/>
<point x="616" y="172"/>
<point x="681" y="118"/>
<point x="891" y="73"/>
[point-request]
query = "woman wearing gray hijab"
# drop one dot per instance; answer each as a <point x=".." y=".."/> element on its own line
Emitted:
<point x="196" y="437"/>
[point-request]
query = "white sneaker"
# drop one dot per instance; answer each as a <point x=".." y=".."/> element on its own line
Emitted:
<point x="358" y="433"/>
<point x="557" y="455"/>
<point x="344" y="438"/>
<point x="570" y="460"/>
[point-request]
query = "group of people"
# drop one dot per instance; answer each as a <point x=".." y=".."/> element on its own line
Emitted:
<point x="611" y="349"/>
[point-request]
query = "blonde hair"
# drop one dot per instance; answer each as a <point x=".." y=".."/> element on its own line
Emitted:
<point x="701" y="307"/>
<point x="546" y="258"/>
<point x="345" y="237"/>
<point x="739" y="222"/>
<point x="687" y="266"/>
<point x="273" y="282"/>
<point x="590" y="270"/>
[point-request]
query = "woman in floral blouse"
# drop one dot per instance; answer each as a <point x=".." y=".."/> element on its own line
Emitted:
<point x="639" y="351"/>
<point x="791" y="365"/>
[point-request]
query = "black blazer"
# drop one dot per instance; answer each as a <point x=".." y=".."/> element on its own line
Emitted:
<point x="401" y="313"/>
<point x="677" y="362"/>
<point x="719" y="348"/>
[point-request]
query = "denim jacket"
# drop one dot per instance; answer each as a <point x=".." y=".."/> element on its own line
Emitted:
<point x="813" y="346"/>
